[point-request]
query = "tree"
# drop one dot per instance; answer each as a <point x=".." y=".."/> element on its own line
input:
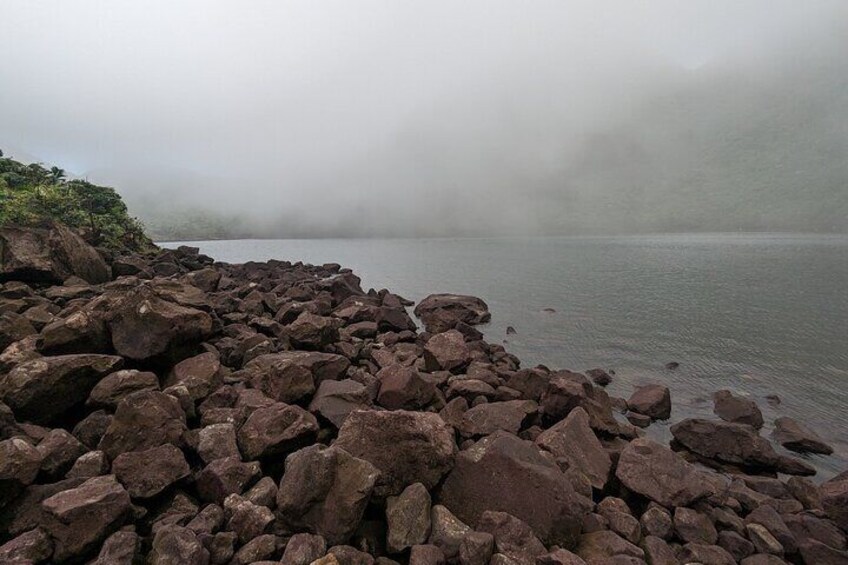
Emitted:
<point x="57" y="175"/>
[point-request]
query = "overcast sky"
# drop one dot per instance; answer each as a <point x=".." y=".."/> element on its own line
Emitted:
<point x="322" y="110"/>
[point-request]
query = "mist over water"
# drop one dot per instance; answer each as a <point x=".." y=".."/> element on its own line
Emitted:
<point x="386" y="118"/>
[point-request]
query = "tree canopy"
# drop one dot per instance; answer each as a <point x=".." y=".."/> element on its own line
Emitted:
<point x="32" y="194"/>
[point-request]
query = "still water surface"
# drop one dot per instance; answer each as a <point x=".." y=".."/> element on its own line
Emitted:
<point x="758" y="314"/>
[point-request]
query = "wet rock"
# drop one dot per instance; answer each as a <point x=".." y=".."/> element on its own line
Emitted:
<point x="175" y="545"/>
<point x="403" y="388"/>
<point x="736" y="444"/>
<point x="446" y="351"/>
<point x="693" y="527"/>
<point x="19" y="464"/>
<point x="442" y="312"/>
<point x="602" y="546"/>
<point x="447" y="531"/>
<point x="476" y="548"/>
<point x="484" y="477"/>
<point x="82" y="517"/>
<point x="408" y="518"/>
<point x="44" y="390"/>
<point x="599" y="377"/>
<point x="406" y="447"/>
<point x="797" y="437"/>
<point x="144" y="420"/>
<point x="334" y="400"/>
<point x="200" y="374"/>
<point x="34" y="546"/>
<point x="276" y="429"/>
<point x="649" y="469"/>
<point x="225" y="476"/>
<point x="144" y="326"/>
<point x="573" y="441"/>
<point x="651" y="400"/>
<point x="736" y="409"/>
<point x="325" y="490"/>
<point x="303" y="549"/>
<point x="114" y="387"/>
<point x="485" y="419"/>
<point x="147" y="473"/>
<point x="48" y="255"/>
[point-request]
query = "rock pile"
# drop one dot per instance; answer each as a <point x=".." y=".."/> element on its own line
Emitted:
<point x="192" y="412"/>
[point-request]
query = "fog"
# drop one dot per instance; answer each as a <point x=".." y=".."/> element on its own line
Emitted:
<point x="399" y="118"/>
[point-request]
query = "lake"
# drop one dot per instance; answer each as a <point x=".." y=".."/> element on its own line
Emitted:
<point x="758" y="314"/>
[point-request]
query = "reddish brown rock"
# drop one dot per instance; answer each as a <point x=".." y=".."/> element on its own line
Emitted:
<point x="573" y="441"/>
<point x="737" y="409"/>
<point x="147" y="473"/>
<point x="446" y="351"/>
<point x="797" y="437"/>
<point x="114" y="387"/>
<point x="144" y="420"/>
<point x="403" y="388"/>
<point x="651" y="400"/>
<point x="200" y="374"/>
<point x="487" y="418"/>
<point x="276" y="429"/>
<point x="441" y="312"/>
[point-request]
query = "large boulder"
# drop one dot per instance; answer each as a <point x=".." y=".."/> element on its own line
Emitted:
<point x="651" y="400"/>
<point x="147" y="473"/>
<point x="144" y="420"/>
<point x="795" y="436"/>
<point x="114" y="387"/>
<point x="737" y="409"/>
<point x="322" y="367"/>
<point x="145" y="326"/>
<point x="79" y="519"/>
<point x="334" y="400"/>
<point x="200" y="374"/>
<point x="83" y="331"/>
<point x="485" y="478"/>
<point x="734" y="444"/>
<point x="48" y="255"/>
<point x="280" y="377"/>
<point x="407" y="447"/>
<point x="441" y="312"/>
<point x="276" y="429"/>
<point x="834" y="494"/>
<point x="403" y="388"/>
<point x="566" y="390"/>
<point x="14" y="327"/>
<point x="489" y="417"/>
<point x="45" y="389"/>
<point x="19" y="464"/>
<point x="573" y="441"/>
<point x="325" y="491"/>
<point x="408" y="518"/>
<point x="446" y="351"/>
<point x="647" y="468"/>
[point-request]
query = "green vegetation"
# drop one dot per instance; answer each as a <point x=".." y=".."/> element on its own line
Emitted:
<point x="32" y="194"/>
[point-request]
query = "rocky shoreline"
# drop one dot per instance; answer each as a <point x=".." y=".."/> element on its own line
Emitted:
<point x="168" y="409"/>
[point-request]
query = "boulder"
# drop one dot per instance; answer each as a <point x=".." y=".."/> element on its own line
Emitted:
<point x="655" y="472"/>
<point x="797" y="437"/>
<point x="476" y="548"/>
<point x="651" y="400"/>
<point x="442" y="312"/>
<point x="13" y="327"/>
<point x="512" y="537"/>
<point x="408" y="518"/>
<point x="446" y="351"/>
<point x="603" y="546"/>
<point x="34" y="546"/>
<point x="144" y="326"/>
<point x="144" y="420"/>
<point x="45" y="389"/>
<point x="79" y="519"/>
<point x="334" y="400"/>
<point x="279" y="377"/>
<point x="485" y="476"/>
<point x="736" y="409"/>
<point x="322" y="366"/>
<point x="246" y="519"/>
<point x="573" y="441"/>
<point x="706" y="554"/>
<point x="216" y="441"/>
<point x="485" y="419"/>
<point x="834" y="495"/>
<point x="48" y="255"/>
<point x="200" y="374"/>
<point x="693" y="527"/>
<point x="19" y="464"/>
<point x="303" y="549"/>
<point x="114" y="387"/>
<point x="403" y="388"/>
<point x="175" y="545"/>
<point x="147" y="473"/>
<point x="325" y="490"/>
<point x="82" y="331"/>
<point x="447" y="531"/>
<point x="276" y="429"/>
<point x="310" y="331"/>
<point x="58" y="451"/>
<point x="426" y="555"/>
<point x="735" y="444"/>
<point x="566" y="391"/>
<point x="406" y="447"/>
<point x="225" y="476"/>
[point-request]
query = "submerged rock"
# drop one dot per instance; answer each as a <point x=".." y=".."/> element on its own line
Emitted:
<point x="797" y="437"/>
